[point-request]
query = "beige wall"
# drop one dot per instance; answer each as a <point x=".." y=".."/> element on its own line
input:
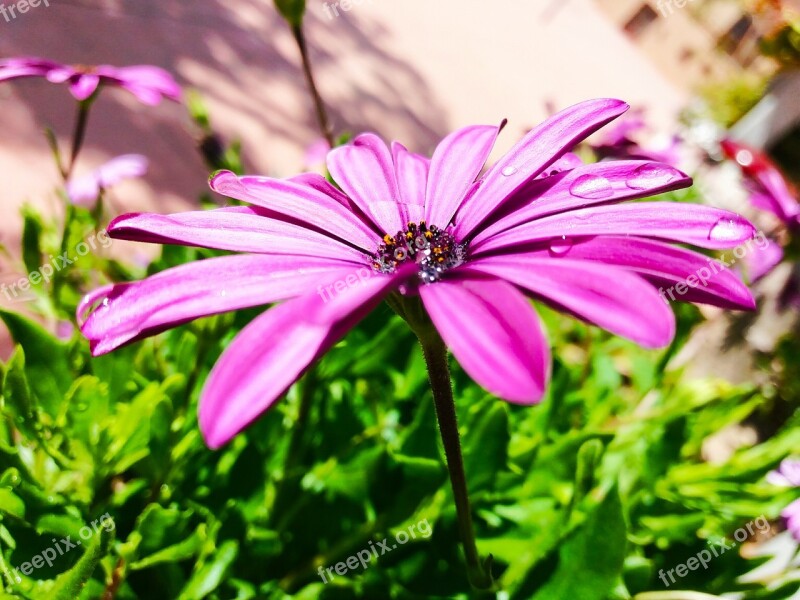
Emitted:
<point x="410" y="69"/>
<point x="682" y="41"/>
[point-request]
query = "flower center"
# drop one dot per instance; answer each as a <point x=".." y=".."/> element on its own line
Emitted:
<point x="432" y="249"/>
<point x="85" y="69"/>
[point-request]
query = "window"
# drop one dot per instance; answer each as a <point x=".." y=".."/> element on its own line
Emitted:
<point x="639" y="23"/>
<point x="734" y="42"/>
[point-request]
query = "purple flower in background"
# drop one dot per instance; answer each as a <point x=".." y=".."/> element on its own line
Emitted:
<point x="768" y="191"/>
<point x="315" y="154"/>
<point x="148" y="83"/>
<point x="620" y="142"/>
<point x="85" y="190"/>
<point x="471" y="250"/>
<point x="788" y="475"/>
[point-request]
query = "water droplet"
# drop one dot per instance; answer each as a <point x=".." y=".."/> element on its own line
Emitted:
<point x="562" y="246"/>
<point x="223" y="293"/>
<point x="730" y="229"/>
<point x="652" y="175"/>
<point x="744" y="158"/>
<point x="509" y="171"/>
<point x="592" y="187"/>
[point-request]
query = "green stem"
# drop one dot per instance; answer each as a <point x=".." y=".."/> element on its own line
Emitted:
<point x="435" y="354"/>
<point x="293" y="452"/>
<point x="78" y="134"/>
<point x="319" y="105"/>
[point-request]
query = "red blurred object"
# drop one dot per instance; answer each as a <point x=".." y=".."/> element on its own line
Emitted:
<point x="752" y="161"/>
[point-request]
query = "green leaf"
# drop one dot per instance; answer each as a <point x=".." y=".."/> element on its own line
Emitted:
<point x="17" y="395"/>
<point x="292" y="11"/>
<point x="591" y="559"/>
<point x="209" y="577"/>
<point x="68" y="586"/>
<point x="183" y="550"/>
<point x="31" y="240"/>
<point x="46" y="360"/>
<point x="11" y="504"/>
<point x="486" y="455"/>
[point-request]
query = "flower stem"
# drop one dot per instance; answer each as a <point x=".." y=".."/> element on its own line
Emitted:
<point x="322" y="114"/>
<point x="78" y="134"/>
<point x="435" y="353"/>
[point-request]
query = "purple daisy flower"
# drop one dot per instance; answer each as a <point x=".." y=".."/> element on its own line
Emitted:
<point x="85" y="190"/>
<point x="620" y="142"/>
<point x="148" y="83"/>
<point x="470" y="250"/>
<point x="768" y="191"/>
<point x="788" y="475"/>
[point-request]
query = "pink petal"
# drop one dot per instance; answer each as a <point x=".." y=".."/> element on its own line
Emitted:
<point x="84" y="191"/>
<point x="494" y="333"/>
<point x="238" y="229"/>
<point x="299" y="202"/>
<point x="540" y="148"/>
<point x="365" y="171"/>
<point x="456" y="163"/>
<point x="146" y="82"/>
<point x="695" y="224"/>
<point x="84" y="86"/>
<point x="272" y="352"/>
<point x="762" y="261"/>
<point x="412" y="174"/>
<point x="60" y="74"/>
<point x="778" y="198"/>
<point x="587" y="185"/>
<point x="319" y="183"/>
<point x="612" y="298"/>
<point x="130" y="311"/>
<point x="665" y="266"/>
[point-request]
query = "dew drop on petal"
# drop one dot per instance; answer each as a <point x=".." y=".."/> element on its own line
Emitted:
<point x="561" y="246"/>
<point x="730" y="230"/>
<point x="591" y="187"/>
<point x="651" y="175"/>
<point x="509" y="171"/>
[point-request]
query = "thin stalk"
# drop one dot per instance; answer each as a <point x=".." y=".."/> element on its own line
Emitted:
<point x="435" y="353"/>
<point x="322" y="114"/>
<point x="78" y="134"/>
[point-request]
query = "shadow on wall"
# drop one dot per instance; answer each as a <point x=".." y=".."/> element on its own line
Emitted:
<point x="238" y="54"/>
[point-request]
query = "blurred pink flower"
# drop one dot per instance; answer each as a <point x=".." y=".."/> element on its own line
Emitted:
<point x="148" y="83"/>
<point x="64" y="330"/>
<point x="788" y="475"/>
<point x="85" y="190"/>
<point x="315" y="154"/>
<point x="620" y="142"/>
<point x="771" y="192"/>
<point x="471" y="249"/>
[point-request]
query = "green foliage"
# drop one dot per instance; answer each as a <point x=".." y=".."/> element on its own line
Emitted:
<point x="587" y="496"/>
<point x="730" y="100"/>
